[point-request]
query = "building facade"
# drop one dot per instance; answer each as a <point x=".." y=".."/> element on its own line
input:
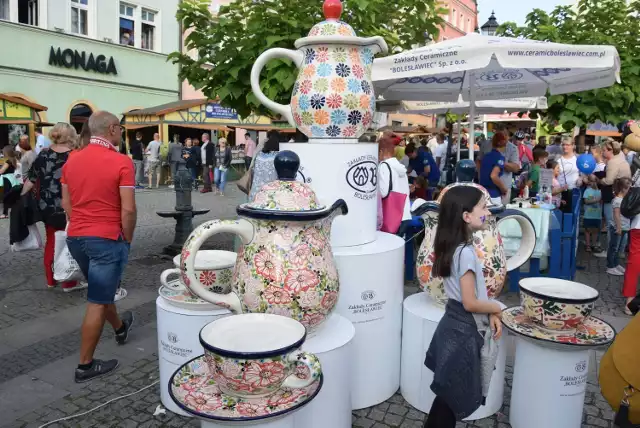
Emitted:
<point x="79" y="56"/>
<point x="461" y="19"/>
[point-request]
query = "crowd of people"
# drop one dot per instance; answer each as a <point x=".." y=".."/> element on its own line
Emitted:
<point x="208" y="161"/>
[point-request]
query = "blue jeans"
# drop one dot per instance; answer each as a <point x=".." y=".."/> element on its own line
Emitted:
<point x="220" y="178"/>
<point x="616" y="243"/>
<point x="102" y="262"/>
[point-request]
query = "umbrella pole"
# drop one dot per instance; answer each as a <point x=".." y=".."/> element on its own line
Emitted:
<point x="459" y="136"/>
<point x="472" y="113"/>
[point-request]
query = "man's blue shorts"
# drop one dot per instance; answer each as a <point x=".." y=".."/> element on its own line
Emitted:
<point x="102" y="262"/>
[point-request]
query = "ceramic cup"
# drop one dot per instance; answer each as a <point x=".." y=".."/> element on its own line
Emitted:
<point x="214" y="269"/>
<point x="254" y="355"/>
<point x="556" y="304"/>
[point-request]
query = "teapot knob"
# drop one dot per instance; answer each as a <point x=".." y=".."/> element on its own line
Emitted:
<point x="287" y="163"/>
<point x="332" y="9"/>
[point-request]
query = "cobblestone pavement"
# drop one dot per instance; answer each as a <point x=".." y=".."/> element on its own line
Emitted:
<point x="39" y="338"/>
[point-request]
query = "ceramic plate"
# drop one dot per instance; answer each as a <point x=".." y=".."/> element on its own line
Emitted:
<point x="178" y="295"/>
<point x="592" y="333"/>
<point x="195" y="392"/>
<point x="211" y="260"/>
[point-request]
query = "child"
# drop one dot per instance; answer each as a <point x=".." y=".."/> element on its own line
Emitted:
<point x="557" y="190"/>
<point x="592" y="215"/>
<point x="540" y="158"/>
<point x="618" y="227"/>
<point x="471" y="322"/>
<point x="419" y="189"/>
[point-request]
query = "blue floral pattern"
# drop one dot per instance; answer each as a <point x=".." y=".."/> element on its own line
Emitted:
<point x="333" y="96"/>
<point x="324" y="70"/>
<point x="338" y="117"/>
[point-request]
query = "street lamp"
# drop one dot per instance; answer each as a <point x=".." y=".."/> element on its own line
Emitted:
<point x="490" y="27"/>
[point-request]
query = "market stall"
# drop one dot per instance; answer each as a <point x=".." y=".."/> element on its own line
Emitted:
<point x="18" y="117"/>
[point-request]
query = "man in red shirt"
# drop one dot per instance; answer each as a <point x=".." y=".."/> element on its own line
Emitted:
<point x="98" y="196"/>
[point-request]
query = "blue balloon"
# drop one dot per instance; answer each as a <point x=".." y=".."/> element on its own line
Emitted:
<point x="465" y="170"/>
<point x="586" y="163"/>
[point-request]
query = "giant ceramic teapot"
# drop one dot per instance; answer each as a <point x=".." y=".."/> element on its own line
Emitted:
<point x="333" y="94"/>
<point x="285" y="265"/>
<point x="488" y="245"/>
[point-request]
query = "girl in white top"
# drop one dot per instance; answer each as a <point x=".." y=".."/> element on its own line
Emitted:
<point x="569" y="172"/>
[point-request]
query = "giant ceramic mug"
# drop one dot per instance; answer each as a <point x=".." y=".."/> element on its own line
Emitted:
<point x="333" y="96"/>
<point x="255" y="355"/>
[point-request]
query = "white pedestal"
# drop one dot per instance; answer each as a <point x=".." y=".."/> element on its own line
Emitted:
<point x="371" y="294"/>
<point x="549" y="385"/>
<point x="178" y="342"/>
<point x="284" y="422"/>
<point x="346" y="171"/>
<point x="420" y="319"/>
<point x="332" y="406"/>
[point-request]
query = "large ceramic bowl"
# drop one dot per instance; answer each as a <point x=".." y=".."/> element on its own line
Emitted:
<point x="556" y="304"/>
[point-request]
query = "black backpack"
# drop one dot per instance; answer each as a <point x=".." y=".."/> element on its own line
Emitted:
<point x="630" y="206"/>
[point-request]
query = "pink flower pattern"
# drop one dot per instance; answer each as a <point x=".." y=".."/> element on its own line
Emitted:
<point x="300" y="255"/>
<point x="300" y="280"/>
<point x="329" y="300"/>
<point x="276" y="295"/>
<point x="268" y="266"/>
<point x="207" y="277"/>
<point x="264" y="374"/>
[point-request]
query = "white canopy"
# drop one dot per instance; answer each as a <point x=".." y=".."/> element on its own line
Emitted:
<point x="500" y="67"/>
<point x="461" y="106"/>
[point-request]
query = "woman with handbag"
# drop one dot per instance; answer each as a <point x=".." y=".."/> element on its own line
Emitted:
<point x="394" y="189"/>
<point x="264" y="170"/>
<point x="46" y="171"/>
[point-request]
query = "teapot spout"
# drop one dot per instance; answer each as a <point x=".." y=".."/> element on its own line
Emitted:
<point x="339" y="207"/>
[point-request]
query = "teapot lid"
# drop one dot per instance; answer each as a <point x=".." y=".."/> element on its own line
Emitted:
<point x="285" y="196"/>
<point x="332" y="26"/>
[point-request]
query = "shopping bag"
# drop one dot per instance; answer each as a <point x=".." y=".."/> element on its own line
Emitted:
<point x="31" y="243"/>
<point x="65" y="267"/>
<point x="392" y="207"/>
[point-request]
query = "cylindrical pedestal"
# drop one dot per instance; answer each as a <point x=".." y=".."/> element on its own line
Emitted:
<point x="343" y="171"/>
<point x="284" y="422"/>
<point x="332" y="406"/>
<point x="549" y="384"/>
<point x="420" y="319"/>
<point x="371" y="294"/>
<point x="178" y="342"/>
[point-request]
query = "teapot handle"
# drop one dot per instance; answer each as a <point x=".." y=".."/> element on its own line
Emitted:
<point x="527" y="242"/>
<point x="295" y="56"/>
<point x="242" y="228"/>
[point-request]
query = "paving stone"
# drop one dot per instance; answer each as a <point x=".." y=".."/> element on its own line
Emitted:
<point x="397" y="409"/>
<point x="597" y="422"/>
<point x="376" y="415"/>
<point x="393" y="420"/>
<point x="363" y="423"/>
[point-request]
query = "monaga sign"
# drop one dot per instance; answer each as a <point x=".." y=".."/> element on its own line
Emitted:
<point x="69" y="58"/>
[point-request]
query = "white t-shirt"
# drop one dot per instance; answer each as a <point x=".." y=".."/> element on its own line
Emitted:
<point x="432" y="144"/>
<point x="465" y="259"/>
<point x="625" y="223"/>
<point x="154" y="151"/>
<point x="203" y="152"/>
<point x="569" y="172"/>
<point x="600" y="167"/>
<point x="441" y="152"/>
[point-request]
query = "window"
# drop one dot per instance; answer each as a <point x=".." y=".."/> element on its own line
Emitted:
<point x="454" y="18"/>
<point x="80" y="17"/>
<point x="4" y="9"/>
<point x="148" y="29"/>
<point x="396" y="123"/>
<point x="469" y="29"/>
<point x="127" y="24"/>
<point x="461" y="22"/>
<point x="27" y="11"/>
